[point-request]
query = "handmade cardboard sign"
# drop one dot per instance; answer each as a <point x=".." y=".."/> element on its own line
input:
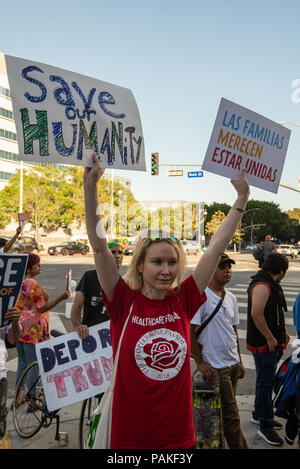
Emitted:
<point x="244" y="139"/>
<point x="73" y="369"/>
<point x="23" y="218"/>
<point x="12" y="271"/>
<point x="63" y="117"/>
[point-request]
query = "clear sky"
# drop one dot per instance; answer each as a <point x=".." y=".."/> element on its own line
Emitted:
<point x="179" y="59"/>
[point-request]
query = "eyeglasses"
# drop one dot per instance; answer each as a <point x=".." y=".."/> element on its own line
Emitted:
<point x="157" y="235"/>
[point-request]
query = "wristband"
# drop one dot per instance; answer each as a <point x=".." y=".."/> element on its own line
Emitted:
<point x="239" y="209"/>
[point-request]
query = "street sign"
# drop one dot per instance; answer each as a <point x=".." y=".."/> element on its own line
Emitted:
<point x="173" y="172"/>
<point x="195" y="174"/>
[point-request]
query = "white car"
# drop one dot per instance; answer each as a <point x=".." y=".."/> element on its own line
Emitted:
<point x="190" y="246"/>
<point x="288" y="250"/>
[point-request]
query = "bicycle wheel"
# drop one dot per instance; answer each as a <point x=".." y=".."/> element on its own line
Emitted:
<point x="28" y="414"/>
<point x="86" y="417"/>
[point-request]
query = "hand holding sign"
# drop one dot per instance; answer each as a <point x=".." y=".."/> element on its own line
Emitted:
<point x="13" y="315"/>
<point x="12" y="270"/>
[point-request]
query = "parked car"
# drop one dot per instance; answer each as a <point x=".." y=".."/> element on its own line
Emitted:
<point x="190" y="247"/>
<point x="25" y="243"/>
<point x="288" y="250"/>
<point x="129" y="248"/>
<point x="251" y="247"/>
<point x="68" y="248"/>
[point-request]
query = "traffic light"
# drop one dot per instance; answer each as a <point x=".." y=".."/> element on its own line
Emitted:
<point x="154" y="164"/>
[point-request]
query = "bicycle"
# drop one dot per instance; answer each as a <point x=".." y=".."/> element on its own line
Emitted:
<point x="31" y="413"/>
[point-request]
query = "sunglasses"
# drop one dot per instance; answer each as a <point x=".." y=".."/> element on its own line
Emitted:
<point x="157" y="235"/>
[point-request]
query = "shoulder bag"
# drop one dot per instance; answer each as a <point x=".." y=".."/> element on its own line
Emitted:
<point x="200" y="328"/>
<point x="100" y="431"/>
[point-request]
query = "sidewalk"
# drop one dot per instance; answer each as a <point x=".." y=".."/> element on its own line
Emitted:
<point x="45" y="438"/>
<point x="245" y="404"/>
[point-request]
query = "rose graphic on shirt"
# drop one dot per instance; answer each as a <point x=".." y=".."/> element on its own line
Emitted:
<point x="160" y="353"/>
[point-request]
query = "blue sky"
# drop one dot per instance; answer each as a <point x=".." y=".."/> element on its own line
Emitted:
<point x="179" y="59"/>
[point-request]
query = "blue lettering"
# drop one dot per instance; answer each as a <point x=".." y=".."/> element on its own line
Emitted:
<point x="104" y="336"/>
<point x="59" y="354"/>
<point x="62" y="95"/>
<point x="87" y="103"/>
<point x="106" y="98"/>
<point x="73" y="344"/>
<point x="34" y="99"/>
<point x="59" y="141"/>
<point x="89" y="344"/>
<point x="48" y="358"/>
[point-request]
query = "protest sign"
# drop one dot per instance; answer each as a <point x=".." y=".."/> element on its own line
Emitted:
<point x="12" y="271"/>
<point x="244" y="139"/>
<point x="68" y="279"/>
<point x="23" y="218"/>
<point x="73" y="369"/>
<point x="63" y="117"/>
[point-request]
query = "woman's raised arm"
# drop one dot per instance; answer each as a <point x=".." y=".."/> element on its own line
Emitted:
<point x="219" y="242"/>
<point x="107" y="271"/>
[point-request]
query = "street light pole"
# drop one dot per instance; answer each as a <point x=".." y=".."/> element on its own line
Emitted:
<point x="252" y="226"/>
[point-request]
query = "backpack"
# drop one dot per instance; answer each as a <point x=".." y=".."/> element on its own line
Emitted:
<point x="285" y="387"/>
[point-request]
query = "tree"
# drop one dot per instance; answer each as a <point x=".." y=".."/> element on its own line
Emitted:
<point x="216" y="220"/>
<point x="276" y="223"/>
<point x="55" y="197"/>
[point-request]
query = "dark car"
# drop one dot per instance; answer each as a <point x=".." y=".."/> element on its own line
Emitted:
<point x="68" y="248"/>
<point x="25" y="243"/>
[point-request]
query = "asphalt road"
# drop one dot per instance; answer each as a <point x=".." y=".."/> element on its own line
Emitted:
<point x="53" y="278"/>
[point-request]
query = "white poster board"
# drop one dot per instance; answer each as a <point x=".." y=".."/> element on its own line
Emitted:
<point x="244" y="139"/>
<point x="63" y="117"/>
<point x="73" y="369"/>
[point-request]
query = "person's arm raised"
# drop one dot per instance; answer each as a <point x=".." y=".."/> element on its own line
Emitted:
<point x="218" y="243"/>
<point x="107" y="271"/>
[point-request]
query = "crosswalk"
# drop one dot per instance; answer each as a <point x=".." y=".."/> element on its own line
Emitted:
<point x="291" y="289"/>
<point x="240" y="291"/>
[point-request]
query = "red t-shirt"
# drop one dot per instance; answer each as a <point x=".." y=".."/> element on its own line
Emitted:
<point x="152" y="407"/>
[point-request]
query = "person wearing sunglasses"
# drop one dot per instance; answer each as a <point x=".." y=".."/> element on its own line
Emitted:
<point x="152" y="406"/>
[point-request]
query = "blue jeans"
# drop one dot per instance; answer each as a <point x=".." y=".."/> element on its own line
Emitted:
<point x="265" y="364"/>
<point x="26" y="355"/>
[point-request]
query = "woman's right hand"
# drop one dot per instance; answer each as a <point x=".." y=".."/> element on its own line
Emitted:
<point x="93" y="174"/>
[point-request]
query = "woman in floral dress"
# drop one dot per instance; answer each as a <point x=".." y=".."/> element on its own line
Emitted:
<point x="34" y="304"/>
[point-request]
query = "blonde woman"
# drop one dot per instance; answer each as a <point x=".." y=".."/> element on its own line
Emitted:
<point x="152" y="407"/>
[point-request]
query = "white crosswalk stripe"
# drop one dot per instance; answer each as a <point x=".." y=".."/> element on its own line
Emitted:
<point x="240" y="291"/>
